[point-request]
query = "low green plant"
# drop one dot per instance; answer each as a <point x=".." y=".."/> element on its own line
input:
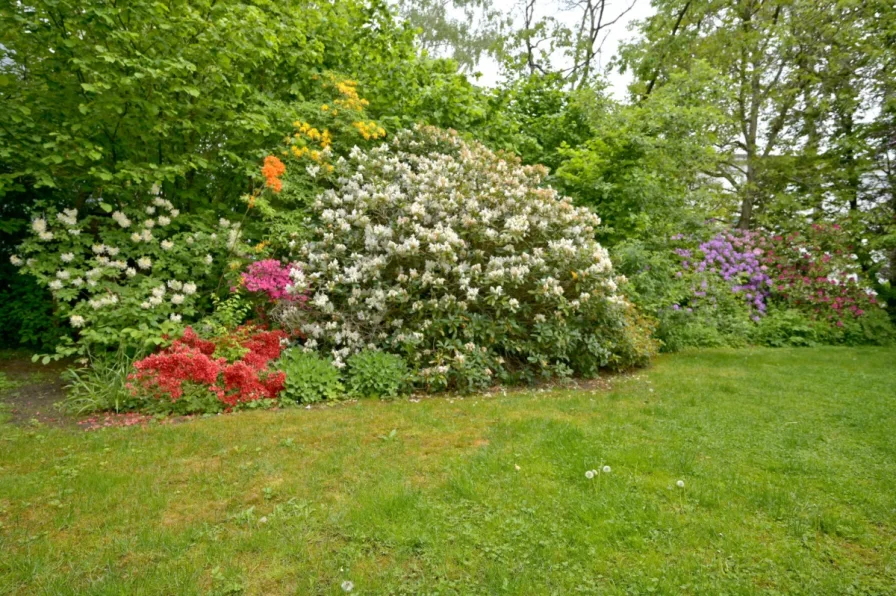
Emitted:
<point x="7" y="384"/>
<point x="100" y="386"/>
<point x="372" y="373"/>
<point x="309" y="377"/>
<point x="785" y="327"/>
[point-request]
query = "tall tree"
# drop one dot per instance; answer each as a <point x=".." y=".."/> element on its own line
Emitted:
<point x="761" y="49"/>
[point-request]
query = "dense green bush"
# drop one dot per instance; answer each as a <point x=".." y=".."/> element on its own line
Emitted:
<point x="309" y="377"/>
<point x="371" y="373"/>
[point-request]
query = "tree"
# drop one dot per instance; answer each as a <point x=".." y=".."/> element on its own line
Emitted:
<point x="105" y="98"/>
<point x="764" y="52"/>
<point x="644" y="168"/>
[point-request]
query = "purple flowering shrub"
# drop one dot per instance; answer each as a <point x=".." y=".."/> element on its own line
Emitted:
<point x="736" y="258"/>
<point x="741" y="287"/>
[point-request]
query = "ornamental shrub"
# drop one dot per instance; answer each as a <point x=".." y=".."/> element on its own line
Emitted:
<point x="463" y="261"/>
<point x="309" y="377"/>
<point x="721" y="291"/>
<point x="125" y="276"/>
<point x="371" y="373"/>
<point x="194" y="375"/>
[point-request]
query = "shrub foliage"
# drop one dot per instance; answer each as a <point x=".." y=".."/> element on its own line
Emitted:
<point x="463" y="261"/>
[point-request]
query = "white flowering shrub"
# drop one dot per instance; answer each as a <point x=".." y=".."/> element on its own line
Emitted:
<point x="462" y="261"/>
<point x="129" y="276"/>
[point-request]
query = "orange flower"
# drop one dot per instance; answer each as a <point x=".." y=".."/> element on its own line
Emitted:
<point x="272" y="170"/>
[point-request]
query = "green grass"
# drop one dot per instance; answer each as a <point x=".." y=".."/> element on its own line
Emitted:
<point x="788" y="459"/>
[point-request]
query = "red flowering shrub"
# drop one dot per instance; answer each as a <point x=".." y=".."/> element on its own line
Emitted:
<point x="189" y="370"/>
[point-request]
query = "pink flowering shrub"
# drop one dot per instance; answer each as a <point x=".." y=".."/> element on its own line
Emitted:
<point x="271" y="278"/>
<point x="817" y="272"/>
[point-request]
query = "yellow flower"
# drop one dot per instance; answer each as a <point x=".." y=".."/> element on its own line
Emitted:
<point x="324" y="108"/>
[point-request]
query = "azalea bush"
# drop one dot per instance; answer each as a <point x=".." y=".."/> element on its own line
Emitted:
<point x="195" y="375"/>
<point x="124" y="276"/>
<point x="462" y="261"/>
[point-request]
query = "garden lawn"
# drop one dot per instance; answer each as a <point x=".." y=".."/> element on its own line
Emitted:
<point x="788" y="459"/>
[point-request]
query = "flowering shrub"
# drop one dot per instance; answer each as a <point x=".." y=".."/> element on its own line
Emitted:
<point x="722" y="291"/>
<point x="460" y="259"/>
<point x="127" y="276"/>
<point x="734" y="257"/>
<point x="271" y="278"/>
<point x="207" y="375"/>
<point x="818" y="273"/>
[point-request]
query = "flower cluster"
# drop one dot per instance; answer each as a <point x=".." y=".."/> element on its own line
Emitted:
<point x="459" y="258"/>
<point x="271" y="278"/>
<point x="734" y="257"/>
<point x="192" y="361"/>
<point x="272" y="170"/>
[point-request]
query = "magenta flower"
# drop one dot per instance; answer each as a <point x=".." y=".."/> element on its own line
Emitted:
<point x="270" y="277"/>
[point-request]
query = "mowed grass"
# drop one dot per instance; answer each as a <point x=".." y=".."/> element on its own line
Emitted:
<point x="788" y="459"/>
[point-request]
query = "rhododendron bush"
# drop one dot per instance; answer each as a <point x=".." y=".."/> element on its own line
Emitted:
<point x="464" y="262"/>
<point x="196" y="375"/>
<point x="750" y="286"/>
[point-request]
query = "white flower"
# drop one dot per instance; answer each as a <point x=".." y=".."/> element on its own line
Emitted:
<point x="347" y="586"/>
<point x="158" y="291"/>
<point x="175" y="318"/>
<point x="190" y="240"/>
<point x="155" y="300"/>
<point x="16" y="260"/>
<point x="46" y="235"/>
<point x="112" y="251"/>
<point x="67" y="257"/>
<point x="77" y="282"/>
<point x="189" y="288"/>
<point x="135" y="237"/>
<point x="146" y="235"/>
<point x="606" y="469"/>
<point x="208" y="259"/>
<point x="149" y="224"/>
<point x="98" y="248"/>
<point x="74" y="232"/>
<point x="121" y="219"/>
<point x="173" y="284"/>
<point x="145" y="305"/>
<point x="130" y="272"/>
<point x="589" y="474"/>
<point x="164" y="220"/>
<point x="63" y="274"/>
<point x="39" y="225"/>
<point x="150" y="210"/>
<point x="156" y="189"/>
<point x="68" y="216"/>
<point x="175" y="212"/>
<point x="223" y="223"/>
<point x="177" y="299"/>
<point x="55" y="285"/>
<point x="76" y="321"/>
<point x="144" y="262"/>
<point x="167" y="245"/>
<point x="680" y="484"/>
